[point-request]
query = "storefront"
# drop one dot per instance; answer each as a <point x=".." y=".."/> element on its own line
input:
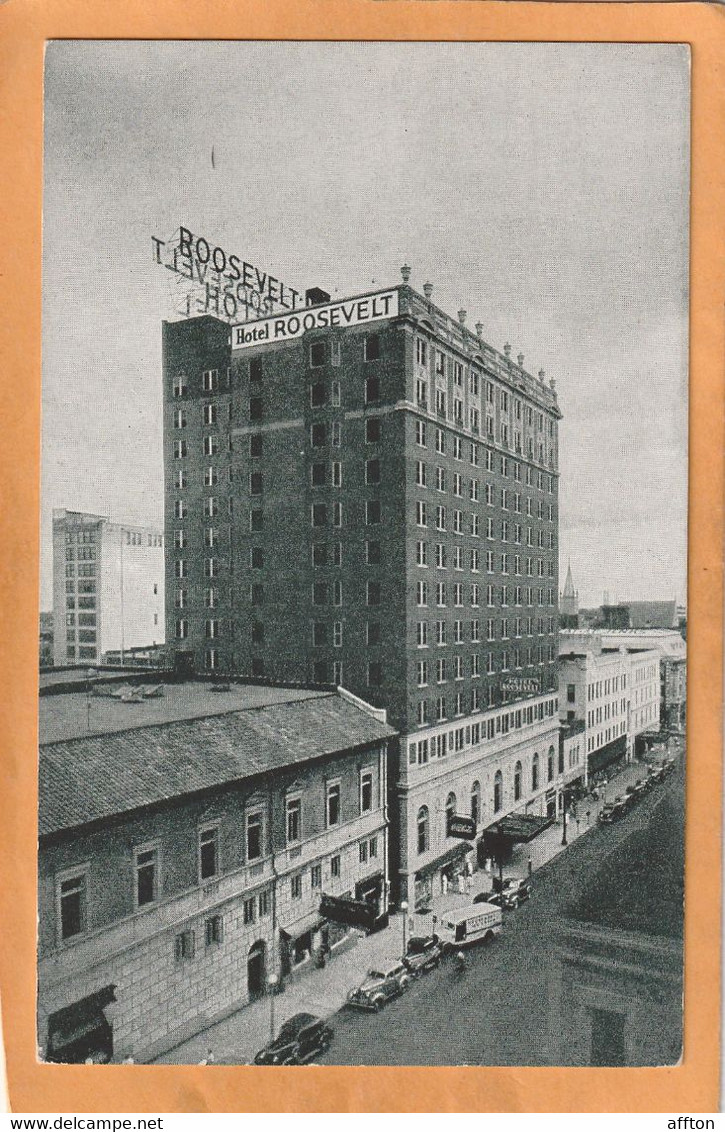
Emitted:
<point x="606" y="760"/>
<point x="83" y="1030"/>
<point x="440" y="875"/>
<point x="300" y="941"/>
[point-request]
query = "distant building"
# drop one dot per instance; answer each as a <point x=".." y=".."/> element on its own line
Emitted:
<point x="615" y="691"/>
<point x="672" y="650"/>
<point x="46" y="640"/>
<point x="616" y="978"/>
<point x="193" y="841"/>
<point x="108" y="587"/>
<point x="653" y="614"/>
<point x="569" y="604"/>
<point x="614" y="617"/>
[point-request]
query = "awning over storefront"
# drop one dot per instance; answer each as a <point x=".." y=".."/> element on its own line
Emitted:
<point x="454" y="854"/>
<point x="521" y="827"/>
<point x="611" y="753"/>
<point x="345" y="910"/>
<point x="305" y="924"/>
<point x="82" y="1018"/>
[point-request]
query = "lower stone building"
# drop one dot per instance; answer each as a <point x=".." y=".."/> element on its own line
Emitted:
<point x="189" y="835"/>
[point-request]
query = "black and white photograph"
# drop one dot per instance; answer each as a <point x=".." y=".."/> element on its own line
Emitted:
<point x="363" y="574"/>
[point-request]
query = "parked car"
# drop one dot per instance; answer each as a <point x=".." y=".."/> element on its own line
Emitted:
<point x="489" y="898"/>
<point x="423" y="954"/>
<point x="380" y="985"/>
<point x="302" y="1038"/>
<point x="515" y="891"/>
<point x="613" y="811"/>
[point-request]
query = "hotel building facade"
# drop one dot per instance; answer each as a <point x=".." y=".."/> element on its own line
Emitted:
<point x="365" y="493"/>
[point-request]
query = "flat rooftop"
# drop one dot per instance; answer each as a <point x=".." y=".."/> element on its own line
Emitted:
<point x="65" y="716"/>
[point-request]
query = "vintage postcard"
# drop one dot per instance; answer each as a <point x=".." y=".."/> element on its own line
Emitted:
<point x="365" y="704"/>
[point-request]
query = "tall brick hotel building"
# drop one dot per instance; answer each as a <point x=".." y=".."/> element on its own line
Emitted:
<point x="364" y="493"/>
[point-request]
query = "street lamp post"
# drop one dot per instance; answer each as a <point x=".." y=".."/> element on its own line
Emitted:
<point x="404" y="910"/>
<point x="563" y="836"/>
<point x="272" y="984"/>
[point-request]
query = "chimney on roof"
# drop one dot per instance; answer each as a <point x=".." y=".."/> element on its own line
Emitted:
<point x="462" y="316"/>
<point x="315" y="297"/>
<point x="427" y="290"/>
<point x="479" y="329"/>
<point x="507" y="349"/>
<point x="520" y="360"/>
<point x="405" y="272"/>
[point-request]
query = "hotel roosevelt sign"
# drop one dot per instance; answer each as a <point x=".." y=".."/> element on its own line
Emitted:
<point x="210" y="280"/>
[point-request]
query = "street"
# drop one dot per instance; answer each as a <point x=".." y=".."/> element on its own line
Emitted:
<point x="496" y="1013"/>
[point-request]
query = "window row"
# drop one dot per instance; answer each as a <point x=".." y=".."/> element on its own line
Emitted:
<point x="445" y="441"/>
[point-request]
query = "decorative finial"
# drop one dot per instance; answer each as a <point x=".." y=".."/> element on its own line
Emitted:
<point x="405" y="272"/>
<point x="479" y="329"/>
<point x="427" y="290"/>
<point x="462" y="316"/>
<point x="520" y="360"/>
<point x="507" y="349"/>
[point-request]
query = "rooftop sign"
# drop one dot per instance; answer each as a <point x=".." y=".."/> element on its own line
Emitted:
<point x="340" y="314"/>
<point x="214" y="281"/>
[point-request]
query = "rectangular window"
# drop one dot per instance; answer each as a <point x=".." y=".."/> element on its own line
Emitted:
<point x="335" y="866"/>
<point x="213" y="931"/>
<point x="72" y="906"/>
<point x="184" y="946"/>
<point x="208" y="853"/>
<point x="294" y="820"/>
<point x="317" y="354"/>
<point x="254" y="837"/>
<point x="316" y="876"/>
<point x="372" y="347"/>
<point x="366" y="791"/>
<point x="372" y="511"/>
<point x="146" y="876"/>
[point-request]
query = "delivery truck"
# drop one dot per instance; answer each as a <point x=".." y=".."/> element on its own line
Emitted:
<point x="462" y="927"/>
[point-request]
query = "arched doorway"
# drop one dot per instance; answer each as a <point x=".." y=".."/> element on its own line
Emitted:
<point x="256" y="971"/>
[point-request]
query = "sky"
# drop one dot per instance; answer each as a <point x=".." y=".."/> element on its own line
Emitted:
<point x="542" y="187"/>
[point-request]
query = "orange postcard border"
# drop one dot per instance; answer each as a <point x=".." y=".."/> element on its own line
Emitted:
<point x="691" y="1086"/>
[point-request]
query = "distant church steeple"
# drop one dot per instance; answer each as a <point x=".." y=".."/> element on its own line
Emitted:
<point x="569" y="603"/>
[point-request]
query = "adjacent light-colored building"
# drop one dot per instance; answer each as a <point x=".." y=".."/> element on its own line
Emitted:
<point x="615" y="691"/>
<point x="193" y="841"/>
<point x="108" y="588"/>
<point x="672" y="650"/>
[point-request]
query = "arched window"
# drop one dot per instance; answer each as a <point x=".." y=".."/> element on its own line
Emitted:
<point x="450" y="809"/>
<point x="498" y="792"/>
<point x="423" y="838"/>
<point x="550" y="764"/>
<point x="535" y="773"/>
<point x="476" y="802"/>
<point x="518" y="771"/>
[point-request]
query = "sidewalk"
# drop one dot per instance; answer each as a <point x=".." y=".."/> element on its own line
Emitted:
<point x="236" y="1039"/>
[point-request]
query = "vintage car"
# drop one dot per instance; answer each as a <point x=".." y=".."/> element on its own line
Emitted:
<point x="301" y="1039"/>
<point x="612" y="811"/>
<point x="424" y="952"/>
<point x="381" y="983"/>
<point x="515" y="891"/>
